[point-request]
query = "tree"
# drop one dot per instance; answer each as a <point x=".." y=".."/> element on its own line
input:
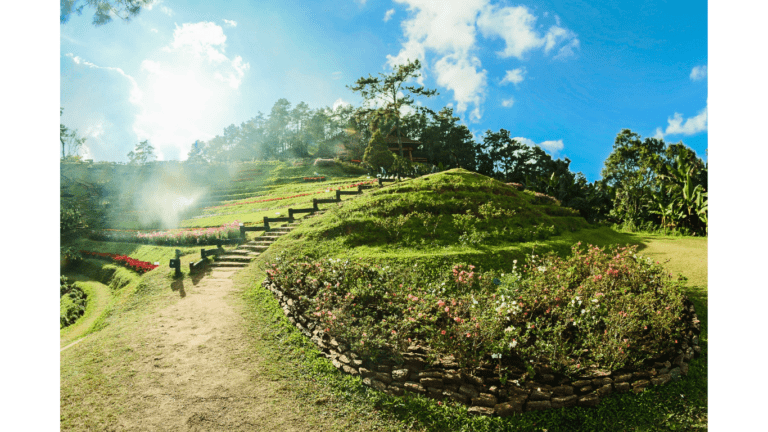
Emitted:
<point x="105" y="9"/>
<point x="70" y="142"/>
<point x="391" y="92"/>
<point x="377" y="154"/>
<point x="143" y="153"/>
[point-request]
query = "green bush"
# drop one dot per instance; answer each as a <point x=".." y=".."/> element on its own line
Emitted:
<point x="72" y="302"/>
<point x="606" y="309"/>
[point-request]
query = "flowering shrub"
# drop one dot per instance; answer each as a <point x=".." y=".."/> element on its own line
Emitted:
<point x="314" y="178"/>
<point x="598" y="308"/>
<point x="191" y="236"/>
<point x="124" y="260"/>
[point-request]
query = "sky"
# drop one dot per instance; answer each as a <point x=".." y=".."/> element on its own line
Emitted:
<point x="565" y="75"/>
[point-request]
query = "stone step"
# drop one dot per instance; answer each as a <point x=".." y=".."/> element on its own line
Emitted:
<point x="229" y="264"/>
<point x="239" y="251"/>
<point x="260" y="247"/>
<point x="231" y="258"/>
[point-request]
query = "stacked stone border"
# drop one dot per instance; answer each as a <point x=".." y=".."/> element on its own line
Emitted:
<point x="480" y="389"/>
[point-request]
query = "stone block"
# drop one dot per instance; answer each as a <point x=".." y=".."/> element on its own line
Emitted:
<point x="622" y="378"/>
<point x="582" y="383"/>
<point x="485" y="399"/>
<point x="479" y="410"/>
<point x="400" y="374"/>
<point x="452" y="378"/>
<point x="605" y="390"/>
<point x="539" y="394"/>
<point x="661" y="379"/>
<point x="394" y="391"/>
<point x="566" y="401"/>
<point x="349" y="370"/>
<point x="458" y="397"/>
<point x="538" y="405"/>
<point x="506" y="409"/>
<point x="563" y="390"/>
<point x="469" y="391"/>
<point x="431" y="382"/>
<point x="589" y="400"/>
<point x="435" y="393"/>
<point x="414" y="387"/>
<point x="622" y="387"/>
<point x="378" y="385"/>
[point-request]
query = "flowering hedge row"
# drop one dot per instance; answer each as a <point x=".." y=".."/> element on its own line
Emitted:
<point x="291" y="196"/>
<point x="124" y="260"/>
<point x="190" y="236"/>
<point x="314" y="178"/>
<point x="596" y="309"/>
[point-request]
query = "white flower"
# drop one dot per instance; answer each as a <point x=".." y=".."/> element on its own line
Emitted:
<point x="509" y="329"/>
<point x="582" y="311"/>
<point x="594" y="300"/>
<point x="541" y="268"/>
<point x="513" y="344"/>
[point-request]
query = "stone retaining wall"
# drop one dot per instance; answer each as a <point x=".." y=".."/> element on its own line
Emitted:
<point x="480" y="388"/>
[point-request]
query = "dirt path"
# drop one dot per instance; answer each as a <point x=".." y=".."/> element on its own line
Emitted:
<point x="198" y="374"/>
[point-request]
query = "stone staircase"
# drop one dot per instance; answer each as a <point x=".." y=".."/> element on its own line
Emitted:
<point x="242" y="255"/>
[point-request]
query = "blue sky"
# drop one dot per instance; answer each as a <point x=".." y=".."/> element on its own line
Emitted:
<point x="565" y="75"/>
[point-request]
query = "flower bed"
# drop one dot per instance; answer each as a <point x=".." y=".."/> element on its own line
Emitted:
<point x="309" y="179"/>
<point x="561" y="324"/>
<point x="191" y="236"/>
<point x="124" y="260"/>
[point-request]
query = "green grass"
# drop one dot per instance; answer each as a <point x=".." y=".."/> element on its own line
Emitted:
<point x="99" y="302"/>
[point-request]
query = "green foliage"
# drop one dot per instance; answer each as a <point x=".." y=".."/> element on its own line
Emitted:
<point x="143" y="153"/>
<point x="604" y="309"/>
<point x="104" y="9"/>
<point x="377" y="154"/>
<point x="390" y="89"/>
<point x="72" y="302"/>
<point x="656" y="186"/>
<point x="72" y="222"/>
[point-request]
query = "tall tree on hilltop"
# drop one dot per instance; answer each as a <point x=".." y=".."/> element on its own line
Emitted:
<point x="390" y="92"/>
<point x="143" y="153"/>
<point x="105" y="9"/>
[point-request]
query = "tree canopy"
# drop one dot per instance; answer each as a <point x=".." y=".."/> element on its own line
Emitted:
<point x="143" y="153"/>
<point x="104" y="9"/>
<point x="390" y="94"/>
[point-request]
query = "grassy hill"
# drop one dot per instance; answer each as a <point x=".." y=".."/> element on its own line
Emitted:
<point x="432" y="222"/>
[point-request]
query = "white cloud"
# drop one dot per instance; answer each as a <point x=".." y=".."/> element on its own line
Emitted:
<point x="513" y="24"/>
<point x="135" y="93"/>
<point x="552" y="146"/>
<point x="154" y="30"/>
<point x="448" y="30"/>
<point x="506" y="103"/>
<point x="336" y="75"/>
<point x="230" y="23"/>
<point x="388" y="15"/>
<point x="514" y="76"/>
<point x="699" y="73"/>
<point x="340" y="102"/>
<point x="568" y="50"/>
<point x="677" y="125"/>
<point x="461" y="75"/>
<point x="166" y="10"/>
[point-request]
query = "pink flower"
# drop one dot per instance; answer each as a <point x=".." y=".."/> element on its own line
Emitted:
<point x="447" y="309"/>
<point x="442" y="332"/>
<point x="440" y="303"/>
<point x="468" y="335"/>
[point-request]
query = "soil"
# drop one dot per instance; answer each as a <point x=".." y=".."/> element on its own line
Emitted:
<point x="197" y="373"/>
